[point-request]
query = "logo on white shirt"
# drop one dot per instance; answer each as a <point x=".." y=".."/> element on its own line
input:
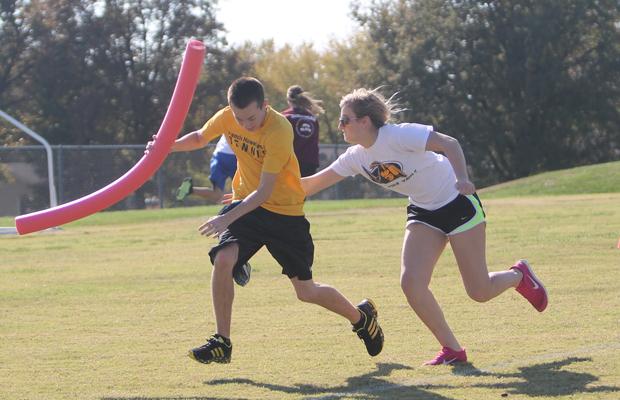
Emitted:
<point x="384" y="172"/>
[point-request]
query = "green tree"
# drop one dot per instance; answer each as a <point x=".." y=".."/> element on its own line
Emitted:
<point x="526" y="85"/>
<point x="109" y="68"/>
<point x="103" y="72"/>
<point x="343" y="64"/>
<point x="14" y="39"/>
<point x="16" y="63"/>
<point x="327" y="74"/>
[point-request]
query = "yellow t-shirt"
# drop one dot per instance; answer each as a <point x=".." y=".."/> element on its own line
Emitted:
<point x="270" y="149"/>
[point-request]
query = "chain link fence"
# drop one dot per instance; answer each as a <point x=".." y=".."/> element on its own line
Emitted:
<point x="81" y="170"/>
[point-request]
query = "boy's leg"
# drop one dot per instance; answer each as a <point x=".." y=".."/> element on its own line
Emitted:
<point x="363" y="318"/>
<point x="222" y="288"/>
<point x="327" y="297"/>
<point x="219" y="347"/>
<point x="290" y="243"/>
<point x="237" y="244"/>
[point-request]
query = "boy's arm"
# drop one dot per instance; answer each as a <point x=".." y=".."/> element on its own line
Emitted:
<point x="192" y="141"/>
<point x="218" y="224"/>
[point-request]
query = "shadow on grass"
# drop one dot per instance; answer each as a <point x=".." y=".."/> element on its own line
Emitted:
<point x="548" y="379"/>
<point x="174" y="398"/>
<point x="367" y="386"/>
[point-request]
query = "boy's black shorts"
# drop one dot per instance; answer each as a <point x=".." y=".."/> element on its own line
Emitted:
<point x="286" y="237"/>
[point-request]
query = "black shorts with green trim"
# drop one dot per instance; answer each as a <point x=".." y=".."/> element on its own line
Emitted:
<point x="459" y="215"/>
<point x="286" y="237"/>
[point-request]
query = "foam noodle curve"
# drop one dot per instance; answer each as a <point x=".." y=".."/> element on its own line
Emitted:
<point x="146" y="166"/>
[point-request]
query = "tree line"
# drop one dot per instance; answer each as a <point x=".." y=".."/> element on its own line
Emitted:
<point x="526" y="86"/>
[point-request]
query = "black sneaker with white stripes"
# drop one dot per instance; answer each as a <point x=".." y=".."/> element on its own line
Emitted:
<point x="368" y="328"/>
<point x="217" y="349"/>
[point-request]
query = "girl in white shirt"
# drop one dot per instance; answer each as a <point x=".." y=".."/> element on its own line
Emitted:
<point x="443" y="208"/>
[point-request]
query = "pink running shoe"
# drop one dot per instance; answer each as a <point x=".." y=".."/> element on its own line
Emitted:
<point x="530" y="286"/>
<point x="447" y="356"/>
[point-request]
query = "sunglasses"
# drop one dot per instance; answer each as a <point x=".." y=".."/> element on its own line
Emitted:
<point x="345" y="120"/>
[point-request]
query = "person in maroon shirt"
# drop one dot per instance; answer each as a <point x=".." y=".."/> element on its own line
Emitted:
<point x="303" y="114"/>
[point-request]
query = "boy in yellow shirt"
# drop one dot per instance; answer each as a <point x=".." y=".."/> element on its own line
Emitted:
<point x="266" y="210"/>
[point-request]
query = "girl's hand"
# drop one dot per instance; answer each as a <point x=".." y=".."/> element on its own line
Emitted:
<point x="465" y="187"/>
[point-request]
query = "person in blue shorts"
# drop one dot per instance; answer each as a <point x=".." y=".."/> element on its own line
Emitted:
<point x="223" y="167"/>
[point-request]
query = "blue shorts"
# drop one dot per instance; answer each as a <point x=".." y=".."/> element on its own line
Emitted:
<point x="223" y="166"/>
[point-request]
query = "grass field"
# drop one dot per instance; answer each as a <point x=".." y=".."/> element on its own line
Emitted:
<point x="597" y="178"/>
<point x="107" y="307"/>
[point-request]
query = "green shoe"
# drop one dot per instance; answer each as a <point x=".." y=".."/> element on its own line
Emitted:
<point x="185" y="189"/>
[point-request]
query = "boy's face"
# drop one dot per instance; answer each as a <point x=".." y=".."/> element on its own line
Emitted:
<point x="251" y="117"/>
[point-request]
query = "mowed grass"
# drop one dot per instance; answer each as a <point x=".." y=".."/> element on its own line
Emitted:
<point x="597" y="178"/>
<point x="107" y="307"/>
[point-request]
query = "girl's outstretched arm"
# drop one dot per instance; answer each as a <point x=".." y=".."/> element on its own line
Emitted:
<point x="319" y="181"/>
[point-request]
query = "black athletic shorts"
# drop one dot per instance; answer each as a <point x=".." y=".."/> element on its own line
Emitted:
<point x="286" y="237"/>
<point x="459" y="215"/>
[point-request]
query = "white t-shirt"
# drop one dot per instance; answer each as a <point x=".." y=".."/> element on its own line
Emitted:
<point x="398" y="161"/>
<point x="222" y="146"/>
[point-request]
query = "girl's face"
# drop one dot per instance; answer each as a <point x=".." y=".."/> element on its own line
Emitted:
<point x="349" y="125"/>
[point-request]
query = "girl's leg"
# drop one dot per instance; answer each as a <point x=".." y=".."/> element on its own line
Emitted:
<point x="421" y="249"/>
<point x="469" y="251"/>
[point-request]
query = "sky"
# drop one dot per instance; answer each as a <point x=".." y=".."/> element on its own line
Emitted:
<point x="286" y="21"/>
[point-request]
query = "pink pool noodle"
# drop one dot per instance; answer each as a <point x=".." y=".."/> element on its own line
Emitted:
<point x="143" y="170"/>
